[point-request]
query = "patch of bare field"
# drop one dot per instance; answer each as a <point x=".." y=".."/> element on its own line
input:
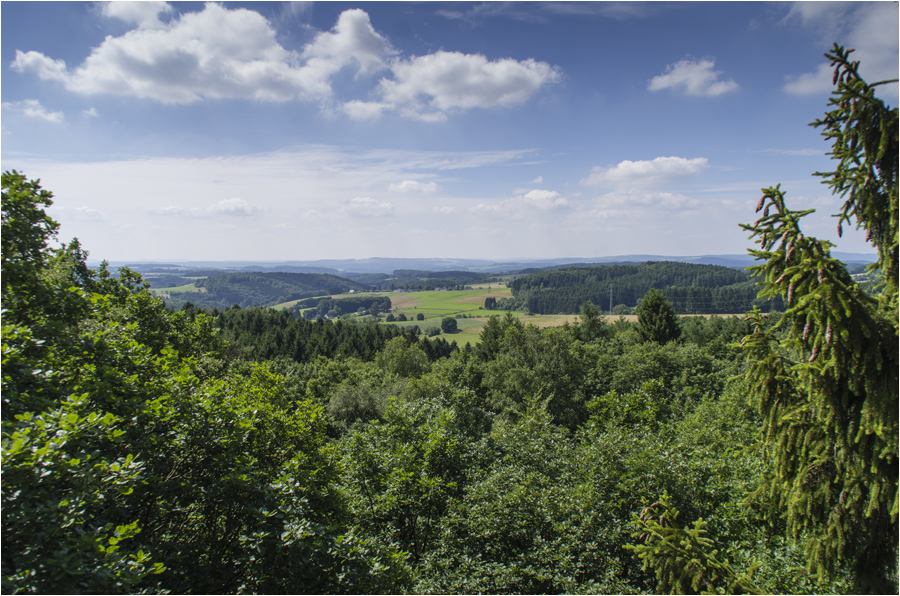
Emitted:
<point x="404" y="301"/>
<point x="479" y="299"/>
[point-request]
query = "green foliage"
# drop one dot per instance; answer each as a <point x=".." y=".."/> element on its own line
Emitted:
<point x="646" y="407"/>
<point x="684" y="559"/>
<point x="515" y="530"/>
<point x="403" y="359"/>
<point x="51" y="487"/>
<point x="657" y="320"/>
<point x="262" y="334"/>
<point x="27" y="230"/>
<point x="449" y="325"/>
<point x="135" y="461"/>
<point x="592" y="325"/>
<point x="864" y="132"/>
<point x="400" y="475"/>
<point x="342" y="306"/>
<point x="621" y="309"/>
<point x="534" y="363"/>
<point x="825" y="376"/>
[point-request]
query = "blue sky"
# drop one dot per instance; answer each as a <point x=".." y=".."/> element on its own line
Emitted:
<point x="299" y="131"/>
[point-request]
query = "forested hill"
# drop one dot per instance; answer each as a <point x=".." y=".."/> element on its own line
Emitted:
<point x="692" y="289"/>
<point x="266" y="289"/>
<point x="414" y="279"/>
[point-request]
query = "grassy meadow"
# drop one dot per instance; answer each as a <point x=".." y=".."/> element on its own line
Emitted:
<point x="167" y="292"/>
<point x="467" y="304"/>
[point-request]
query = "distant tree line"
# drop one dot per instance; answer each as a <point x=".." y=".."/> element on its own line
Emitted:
<point x="263" y="334"/>
<point x="262" y="289"/>
<point x="248" y="289"/>
<point x="343" y="306"/>
<point x="414" y="279"/>
<point x="507" y="304"/>
<point x="690" y="288"/>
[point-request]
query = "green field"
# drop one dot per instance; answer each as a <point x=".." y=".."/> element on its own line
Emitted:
<point x="437" y="305"/>
<point x="167" y="292"/>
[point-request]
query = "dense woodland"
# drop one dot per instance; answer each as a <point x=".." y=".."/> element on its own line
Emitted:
<point x="314" y="308"/>
<point x="690" y="288"/>
<point x="244" y="450"/>
<point x="253" y="289"/>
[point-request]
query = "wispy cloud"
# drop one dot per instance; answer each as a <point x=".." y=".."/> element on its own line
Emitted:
<point x="804" y="152"/>
<point x="868" y="27"/>
<point x="368" y="207"/>
<point x="235" y="207"/>
<point x="693" y="77"/>
<point x="541" y="12"/>
<point x="32" y="108"/>
<point x="635" y="203"/>
<point x="78" y="214"/>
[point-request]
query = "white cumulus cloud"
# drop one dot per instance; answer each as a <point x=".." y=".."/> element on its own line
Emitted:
<point x="353" y="40"/>
<point x="365" y="110"/>
<point x="652" y="172"/>
<point x="43" y="66"/>
<point x="436" y="83"/>
<point x="414" y="186"/>
<point x="32" y="108"/>
<point x="220" y="53"/>
<point x="522" y="204"/>
<point x="692" y="77"/>
<point x="143" y="14"/>
<point x="215" y="53"/>
<point x="545" y="199"/>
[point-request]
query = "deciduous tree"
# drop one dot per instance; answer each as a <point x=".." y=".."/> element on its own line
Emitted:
<point x="448" y="325"/>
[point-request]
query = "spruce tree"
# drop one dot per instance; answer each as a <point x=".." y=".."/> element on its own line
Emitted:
<point x="825" y="374"/>
<point x="657" y="320"/>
